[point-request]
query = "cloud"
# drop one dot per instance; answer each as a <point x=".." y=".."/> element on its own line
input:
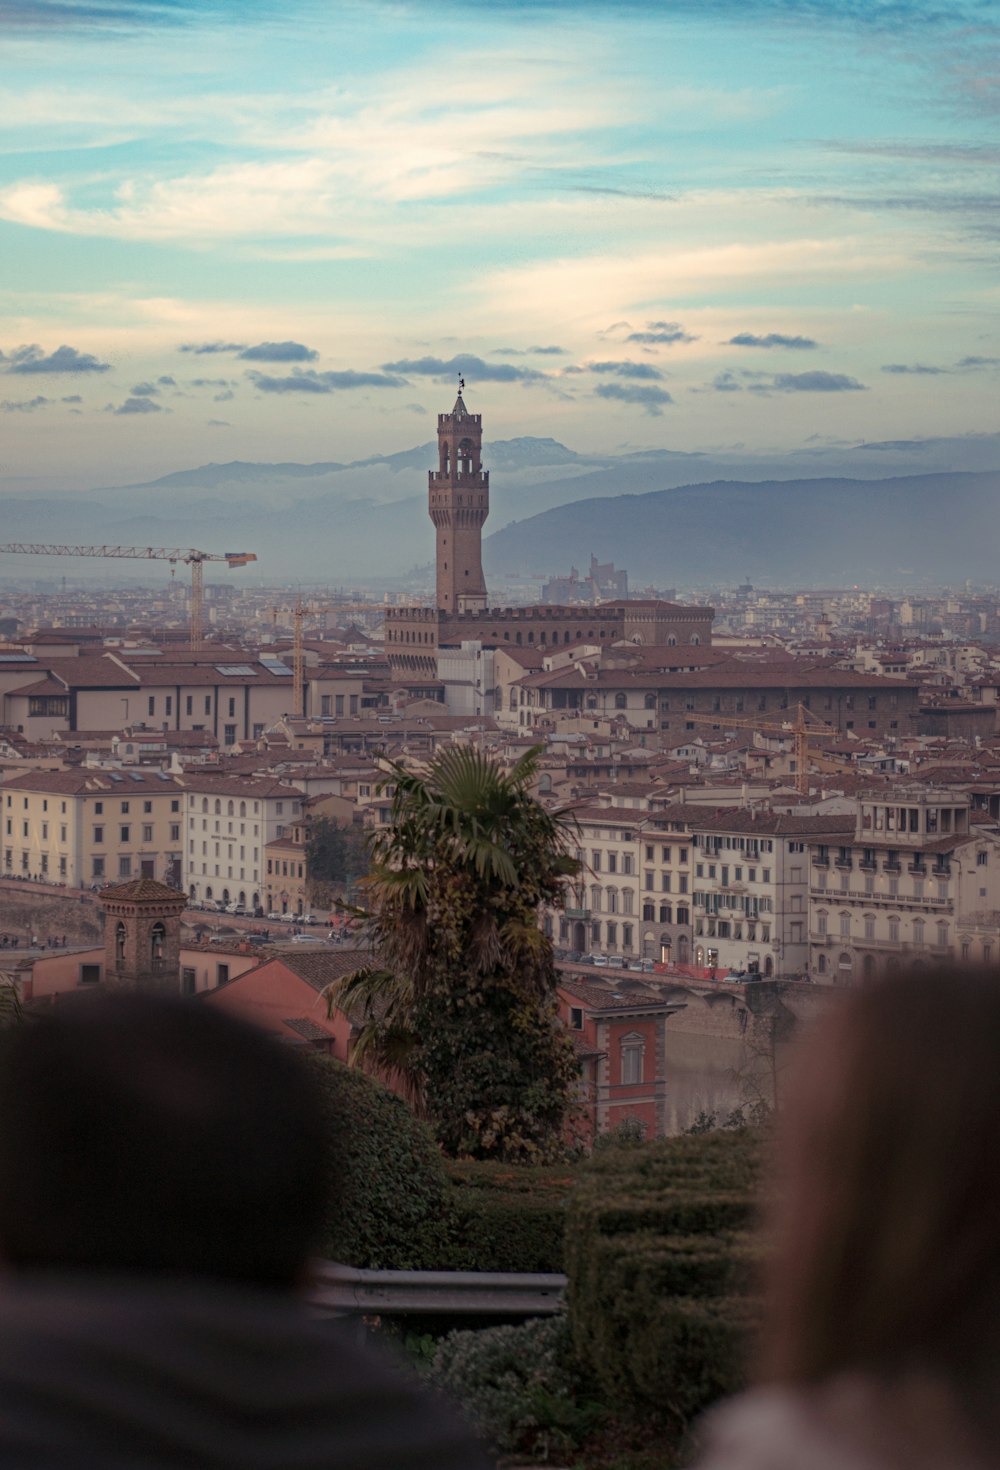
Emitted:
<point x="649" y="399"/>
<point x="25" y="405"/>
<point x="166" y="381"/>
<point x="144" y="390"/>
<point x="279" y="352"/>
<point x="134" y="405"/>
<point x="71" y="398"/>
<point x="917" y="369"/>
<point x="309" y="381"/>
<point x="218" y="423"/>
<point x="978" y="362"/>
<point x="772" y="339"/>
<point x="205" y="349"/>
<point x="529" y="352"/>
<point x="816" y="382"/>
<point x="661" y="332"/>
<point x="224" y="396"/>
<point x="211" y="383"/>
<point x="726" y="383"/>
<point x="626" y="369"/>
<point x="64" y="360"/>
<point x="465" y="364"/>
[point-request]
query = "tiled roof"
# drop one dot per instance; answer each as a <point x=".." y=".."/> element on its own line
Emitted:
<point x="320" y="967"/>
<point x="140" y="890"/>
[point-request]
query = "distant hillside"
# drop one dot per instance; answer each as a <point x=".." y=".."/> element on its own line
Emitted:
<point x="665" y="515"/>
<point x="941" y="527"/>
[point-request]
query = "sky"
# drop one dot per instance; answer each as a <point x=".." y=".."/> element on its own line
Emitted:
<point x="278" y="232"/>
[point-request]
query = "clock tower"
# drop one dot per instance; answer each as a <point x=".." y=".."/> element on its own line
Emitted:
<point x="458" y="496"/>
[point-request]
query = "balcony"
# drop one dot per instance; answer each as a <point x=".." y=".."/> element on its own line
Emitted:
<point x="892" y="865"/>
<point x="576" y="914"/>
<point x="820" y="862"/>
<point x="867" y="866"/>
<point x="917" y="868"/>
<point x="845" y="863"/>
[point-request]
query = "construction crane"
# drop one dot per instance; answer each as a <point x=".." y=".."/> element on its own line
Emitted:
<point x="298" y="612"/>
<point x="173" y="554"/>
<point x="802" y="730"/>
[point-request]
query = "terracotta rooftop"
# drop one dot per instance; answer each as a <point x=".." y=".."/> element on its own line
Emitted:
<point x="140" y="890"/>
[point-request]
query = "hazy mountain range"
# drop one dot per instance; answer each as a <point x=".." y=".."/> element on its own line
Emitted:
<point x="890" y="512"/>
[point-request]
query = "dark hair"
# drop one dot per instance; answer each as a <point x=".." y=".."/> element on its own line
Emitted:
<point x="142" y="1134"/>
<point x="887" y="1219"/>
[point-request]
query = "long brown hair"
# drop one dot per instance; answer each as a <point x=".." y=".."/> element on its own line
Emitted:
<point x="886" y="1223"/>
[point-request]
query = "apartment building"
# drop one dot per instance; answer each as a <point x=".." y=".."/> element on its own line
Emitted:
<point x="751" y="889"/>
<point x="286" y="878"/>
<point x="602" y="906"/>
<point x="89" y="826"/>
<point x="914" y="882"/>
<point x="228" y="823"/>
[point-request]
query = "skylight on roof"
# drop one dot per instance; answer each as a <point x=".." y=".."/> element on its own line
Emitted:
<point x="18" y="658"/>
<point x="275" y="666"/>
<point x="114" y="776"/>
<point x="235" y="669"/>
<point x="137" y="776"/>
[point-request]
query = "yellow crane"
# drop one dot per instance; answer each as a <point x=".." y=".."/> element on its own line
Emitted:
<point x="801" y="729"/>
<point x="298" y="612"/>
<point x="173" y="554"/>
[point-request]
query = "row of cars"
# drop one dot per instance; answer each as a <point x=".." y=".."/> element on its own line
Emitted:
<point x="604" y="961"/>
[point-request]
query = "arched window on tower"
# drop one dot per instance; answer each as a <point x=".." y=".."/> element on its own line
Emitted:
<point x="120" y="945"/>
<point x="157" y="943"/>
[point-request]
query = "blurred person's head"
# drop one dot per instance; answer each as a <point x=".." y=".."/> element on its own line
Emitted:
<point x="887" y="1218"/>
<point x="149" y="1135"/>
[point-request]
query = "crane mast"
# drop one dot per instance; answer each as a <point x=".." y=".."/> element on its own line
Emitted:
<point x="173" y="554"/>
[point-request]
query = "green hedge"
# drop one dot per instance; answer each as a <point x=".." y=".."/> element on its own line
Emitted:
<point x="388" y="1184"/>
<point x="661" y="1262"/>
<point x="501" y="1218"/>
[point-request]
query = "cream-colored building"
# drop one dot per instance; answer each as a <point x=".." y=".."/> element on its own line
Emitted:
<point x="915" y="883"/>
<point x="88" y="826"/>
<point x="228" y="823"/>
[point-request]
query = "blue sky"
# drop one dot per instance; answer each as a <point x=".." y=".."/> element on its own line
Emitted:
<point x="276" y="232"/>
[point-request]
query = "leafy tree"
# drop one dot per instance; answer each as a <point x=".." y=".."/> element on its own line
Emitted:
<point x="462" y="1004"/>
<point x="334" y="853"/>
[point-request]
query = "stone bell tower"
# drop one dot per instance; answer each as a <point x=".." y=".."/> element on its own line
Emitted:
<point x="458" y="495"/>
<point x="142" y="936"/>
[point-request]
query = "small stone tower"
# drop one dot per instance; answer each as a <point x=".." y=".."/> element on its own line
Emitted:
<point x="142" y="936"/>
<point x="458" y="495"/>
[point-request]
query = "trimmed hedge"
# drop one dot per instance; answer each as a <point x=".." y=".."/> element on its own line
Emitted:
<point x="388" y="1184"/>
<point x="501" y="1218"/>
<point x="661" y="1263"/>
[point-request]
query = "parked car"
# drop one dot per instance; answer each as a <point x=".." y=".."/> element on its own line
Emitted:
<point x="646" y="966"/>
<point x="306" y="939"/>
<point x="308" y="918"/>
<point x="275" y="918"/>
<point x="574" y="957"/>
<point x="597" y="959"/>
<point x="616" y="962"/>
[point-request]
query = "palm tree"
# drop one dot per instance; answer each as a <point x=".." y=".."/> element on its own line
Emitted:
<point x="462" y="1001"/>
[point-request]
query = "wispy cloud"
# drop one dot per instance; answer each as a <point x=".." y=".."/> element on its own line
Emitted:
<point x="914" y="369"/>
<point x="279" y="352"/>
<point x="650" y="400"/>
<point x="465" y="363"/>
<point x="25" y="405"/>
<point x="817" y="382"/>
<point x="309" y="381"/>
<point x="134" y="406"/>
<point x="207" y="349"/>
<point x="772" y="339"/>
<point x="626" y="369"/>
<point x="665" y="333"/>
<point x="28" y="360"/>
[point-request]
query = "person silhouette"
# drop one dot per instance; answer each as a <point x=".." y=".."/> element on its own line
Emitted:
<point x="881" y="1342"/>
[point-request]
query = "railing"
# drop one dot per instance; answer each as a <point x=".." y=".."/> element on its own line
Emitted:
<point x="576" y="913"/>
<point x="348" y="1290"/>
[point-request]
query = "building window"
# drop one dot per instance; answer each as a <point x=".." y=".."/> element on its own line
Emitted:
<point x="124" y="867"/>
<point x="152" y="704"/>
<point x="90" y="974"/>
<point x="576" y="1018"/>
<point x="147" y="834"/>
<point x="189" y="981"/>
<point x="125" y="834"/>
<point x="632" y="1048"/>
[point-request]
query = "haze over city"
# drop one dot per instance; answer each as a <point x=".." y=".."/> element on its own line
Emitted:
<point x="743" y="230"/>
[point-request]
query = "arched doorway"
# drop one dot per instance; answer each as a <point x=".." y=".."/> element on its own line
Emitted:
<point x="682" y="949"/>
<point x="579" y="937"/>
